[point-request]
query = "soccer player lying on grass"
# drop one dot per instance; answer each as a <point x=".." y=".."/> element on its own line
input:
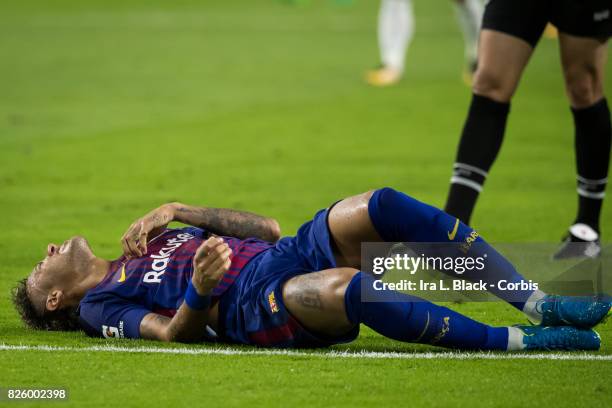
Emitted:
<point x="191" y="285"/>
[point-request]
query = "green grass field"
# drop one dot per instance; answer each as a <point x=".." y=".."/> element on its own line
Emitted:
<point x="109" y="108"/>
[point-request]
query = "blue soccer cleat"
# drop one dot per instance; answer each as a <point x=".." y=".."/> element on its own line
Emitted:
<point x="580" y="311"/>
<point x="559" y="338"/>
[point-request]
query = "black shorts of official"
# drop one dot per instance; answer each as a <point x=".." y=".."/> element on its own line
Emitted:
<point x="526" y="19"/>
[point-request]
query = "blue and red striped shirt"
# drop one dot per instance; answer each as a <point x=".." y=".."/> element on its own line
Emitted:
<point x="155" y="282"/>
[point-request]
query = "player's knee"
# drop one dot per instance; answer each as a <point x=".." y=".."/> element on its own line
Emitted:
<point x="335" y="286"/>
<point x="584" y="86"/>
<point x="379" y="203"/>
<point x="384" y="192"/>
<point x="368" y="195"/>
<point x="274" y="229"/>
<point x="492" y="85"/>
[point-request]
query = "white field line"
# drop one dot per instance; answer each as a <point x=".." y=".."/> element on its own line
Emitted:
<point x="330" y="354"/>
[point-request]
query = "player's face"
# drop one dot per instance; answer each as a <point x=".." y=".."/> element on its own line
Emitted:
<point x="62" y="268"/>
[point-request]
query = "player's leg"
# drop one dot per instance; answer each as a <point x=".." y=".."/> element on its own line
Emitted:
<point x="469" y="14"/>
<point x="350" y="225"/>
<point x="330" y="303"/>
<point x="395" y="31"/>
<point x="388" y="215"/>
<point x="313" y="299"/>
<point x="510" y="32"/>
<point x="502" y="59"/>
<point x="584" y="61"/>
<point x="392" y="216"/>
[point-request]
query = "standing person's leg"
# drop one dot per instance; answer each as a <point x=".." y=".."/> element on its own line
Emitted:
<point x="395" y="31"/>
<point x="469" y="14"/>
<point x="584" y="61"/>
<point x="510" y="32"/>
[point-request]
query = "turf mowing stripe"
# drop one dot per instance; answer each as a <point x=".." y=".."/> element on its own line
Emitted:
<point x="330" y="354"/>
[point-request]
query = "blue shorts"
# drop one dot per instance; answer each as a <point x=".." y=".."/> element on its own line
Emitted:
<point x="252" y="311"/>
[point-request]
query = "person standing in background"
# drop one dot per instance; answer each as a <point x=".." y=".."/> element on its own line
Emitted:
<point x="511" y="30"/>
<point x="395" y="30"/>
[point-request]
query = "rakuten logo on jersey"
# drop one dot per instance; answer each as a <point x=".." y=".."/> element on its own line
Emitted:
<point x="161" y="259"/>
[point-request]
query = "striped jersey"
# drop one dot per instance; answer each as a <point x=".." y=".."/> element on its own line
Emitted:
<point x="155" y="282"/>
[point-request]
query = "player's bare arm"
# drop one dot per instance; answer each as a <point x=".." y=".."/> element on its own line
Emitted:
<point x="211" y="261"/>
<point x="220" y="221"/>
<point x="223" y="221"/>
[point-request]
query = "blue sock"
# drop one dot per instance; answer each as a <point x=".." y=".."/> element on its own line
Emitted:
<point x="400" y="218"/>
<point x="411" y="319"/>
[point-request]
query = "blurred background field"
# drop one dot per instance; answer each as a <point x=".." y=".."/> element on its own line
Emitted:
<point x="110" y="108"/>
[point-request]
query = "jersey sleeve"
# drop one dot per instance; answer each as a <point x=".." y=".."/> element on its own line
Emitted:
<point x="112" y="318"/>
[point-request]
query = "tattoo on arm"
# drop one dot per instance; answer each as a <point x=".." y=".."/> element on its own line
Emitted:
<point x="221" y="221"/>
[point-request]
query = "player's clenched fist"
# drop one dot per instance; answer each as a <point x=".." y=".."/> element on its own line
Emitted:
<point x="211" y="261"/>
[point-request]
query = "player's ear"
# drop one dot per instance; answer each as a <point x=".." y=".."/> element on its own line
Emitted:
<point x="54" y="300"/>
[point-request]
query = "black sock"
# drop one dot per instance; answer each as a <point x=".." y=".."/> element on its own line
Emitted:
<point x="480" y="142"/>
<point x="593" y="135"/>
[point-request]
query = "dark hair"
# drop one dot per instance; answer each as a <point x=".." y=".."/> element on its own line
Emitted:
<point x="66" y="319"/>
